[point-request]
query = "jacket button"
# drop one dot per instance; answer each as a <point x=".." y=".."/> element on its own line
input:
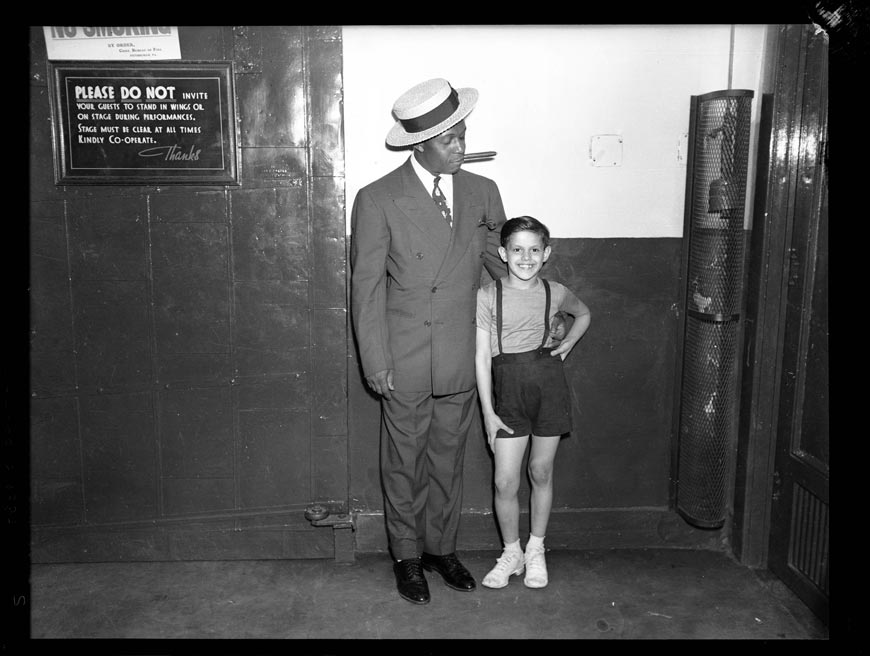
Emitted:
<point x="434" y="289"/>
<point x="427" y="323"/>
<point x="482" y="253"/>
<point x="419" y="256"/>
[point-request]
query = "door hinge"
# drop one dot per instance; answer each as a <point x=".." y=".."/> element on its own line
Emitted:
<point x="793" y="267"/>
<point x="777" y="486"/>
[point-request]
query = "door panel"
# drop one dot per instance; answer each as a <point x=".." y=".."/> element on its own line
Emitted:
<point x="799" y="545"/>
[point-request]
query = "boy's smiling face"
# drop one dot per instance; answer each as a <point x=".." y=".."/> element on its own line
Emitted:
<point x="525" y="254"/>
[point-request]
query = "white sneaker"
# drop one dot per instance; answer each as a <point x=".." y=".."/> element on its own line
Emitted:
<point x="510" y="562"/>
<point x="536" y="568"/>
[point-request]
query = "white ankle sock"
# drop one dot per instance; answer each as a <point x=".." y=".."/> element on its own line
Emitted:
<point x="534" y="541"/>
<point x="513" y="546"/>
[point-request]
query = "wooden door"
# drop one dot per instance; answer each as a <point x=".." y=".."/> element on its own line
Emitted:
<point x="799" y="544"/>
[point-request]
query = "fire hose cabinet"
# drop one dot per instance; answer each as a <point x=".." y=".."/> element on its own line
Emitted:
<point x="713" y="263"/>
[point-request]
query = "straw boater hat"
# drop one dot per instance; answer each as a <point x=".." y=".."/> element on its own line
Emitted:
<point x="428" y="109"/>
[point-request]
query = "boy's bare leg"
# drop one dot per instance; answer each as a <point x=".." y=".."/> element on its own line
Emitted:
<point x="509" y="452"/>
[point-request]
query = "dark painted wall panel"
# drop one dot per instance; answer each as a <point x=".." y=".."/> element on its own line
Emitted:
<point x="205" y="42"/>
<point x="193" y="496"/>
<point x="196" y="433"/>
<point x="329" y="467"/>
<point x="273" y="167"/>
<point x="196" y="207"/>
<point x="37" y="55"/>
<point x="271" y="328"/>
<point x="273" y="457"/>
<point x="193" y="368"/>
<point x="41" y="171"/>
<point x="622" y="372"/>
<point x="191" y="291"/>
<point x="108" y="238"/>
<point x="102" y="545"/>
<point x="50" y="307"/>
<point x="180" y="319"/>
<point x="51" y="337"/>
<point x="112" y="332"/>
<point x="271" y="102"/>
<point x="328" y="243"/>
<point x="191" y="315"/>
<point x="329" y="369"/>
<point x="275" y="393"/>
<point x="227" y="545"/>
<point x="252" y="44"/>
<point x="54" y="449"/>
<point x="55" y="462"/>
<point x="326" y="99"/>
<point x="270" y="235"/>
<point x="282" y="536"/>
<point x="52" y="372"/>
<point x="56" y="501"/>
<point x="119" y="455"/>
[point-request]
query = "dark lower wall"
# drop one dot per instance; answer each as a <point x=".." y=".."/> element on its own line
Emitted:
<point x="188" y="344"/>
<point x="622" y="378"/>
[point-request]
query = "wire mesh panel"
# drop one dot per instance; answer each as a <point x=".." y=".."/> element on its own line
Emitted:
<point x="716" y="272"/>
<point x="714" y="281"/>
<point x="718" y="198"/>
<point x="721" y="157"/>
<point x="707" y="416"/>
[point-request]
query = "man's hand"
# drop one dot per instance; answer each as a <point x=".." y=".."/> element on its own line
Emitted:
<point x="381" y="383"/>
<point x="559" y="327"/>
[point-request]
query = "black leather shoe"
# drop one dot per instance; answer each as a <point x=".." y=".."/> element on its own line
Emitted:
<point x="454" y="573"/>
<point x="410" y="581"/>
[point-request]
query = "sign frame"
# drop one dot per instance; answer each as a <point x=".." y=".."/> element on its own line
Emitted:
<point x="208" y="153"/>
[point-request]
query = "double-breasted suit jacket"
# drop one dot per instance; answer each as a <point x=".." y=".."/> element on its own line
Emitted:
<point x="415" y="280"/>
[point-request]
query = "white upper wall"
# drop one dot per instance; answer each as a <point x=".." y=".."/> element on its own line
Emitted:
<point x="545" y="93"/>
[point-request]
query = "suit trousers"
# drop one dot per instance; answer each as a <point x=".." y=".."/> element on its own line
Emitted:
<point x="423" y="440"/>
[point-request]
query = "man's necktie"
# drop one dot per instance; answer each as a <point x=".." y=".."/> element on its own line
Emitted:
<point x="438" y="197"/>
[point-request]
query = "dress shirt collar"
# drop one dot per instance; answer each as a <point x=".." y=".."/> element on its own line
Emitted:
<point x="445" y="183"/>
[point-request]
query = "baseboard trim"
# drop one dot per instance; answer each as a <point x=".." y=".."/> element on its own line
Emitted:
<point x="567" y="529"/>
<point x="291" y="536"/>
<point x="248" y="536"/>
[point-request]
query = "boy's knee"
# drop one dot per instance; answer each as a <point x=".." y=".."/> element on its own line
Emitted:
<point x="507" y="484"/>
<point x="541" y="473"/>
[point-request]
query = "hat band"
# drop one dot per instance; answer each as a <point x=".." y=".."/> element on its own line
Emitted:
<point x="433" y="117"/>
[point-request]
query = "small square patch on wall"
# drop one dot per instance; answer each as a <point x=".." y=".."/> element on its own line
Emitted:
<point x="605" y="150"/>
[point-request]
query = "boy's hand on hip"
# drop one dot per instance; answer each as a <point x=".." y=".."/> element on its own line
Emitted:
<point x="563" y="349"/>
<point x="493" y="424"/>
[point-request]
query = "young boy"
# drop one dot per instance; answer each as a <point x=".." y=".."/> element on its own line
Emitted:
<point x="515" y="363"/>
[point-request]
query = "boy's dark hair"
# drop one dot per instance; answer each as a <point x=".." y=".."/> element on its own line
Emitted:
<point x="520" y="223"/>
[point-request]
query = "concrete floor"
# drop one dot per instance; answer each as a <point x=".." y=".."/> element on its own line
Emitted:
<point x="603" y="594"/>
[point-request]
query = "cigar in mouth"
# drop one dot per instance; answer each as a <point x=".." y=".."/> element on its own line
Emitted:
<point x="477" y="157"/>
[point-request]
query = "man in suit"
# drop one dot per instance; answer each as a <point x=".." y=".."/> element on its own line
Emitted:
<point x="421" y="236"/>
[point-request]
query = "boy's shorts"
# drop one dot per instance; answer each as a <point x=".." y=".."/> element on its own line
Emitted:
<point x="531" y="393"/>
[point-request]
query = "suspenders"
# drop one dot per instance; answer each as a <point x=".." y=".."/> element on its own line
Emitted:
<point x="498" y="312"/>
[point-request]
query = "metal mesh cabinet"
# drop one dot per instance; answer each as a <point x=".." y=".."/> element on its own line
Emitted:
<point x="715" y="199"/>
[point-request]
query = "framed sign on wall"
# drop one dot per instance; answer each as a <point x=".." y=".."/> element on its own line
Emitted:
<point x="149" y="123"/>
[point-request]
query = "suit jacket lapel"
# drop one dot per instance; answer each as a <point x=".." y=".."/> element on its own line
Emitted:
<point x="465" y="211"/>
<point x="415" y="202"/>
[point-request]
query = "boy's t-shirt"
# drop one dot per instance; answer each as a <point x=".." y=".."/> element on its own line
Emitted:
<point x="522" y="326"/>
